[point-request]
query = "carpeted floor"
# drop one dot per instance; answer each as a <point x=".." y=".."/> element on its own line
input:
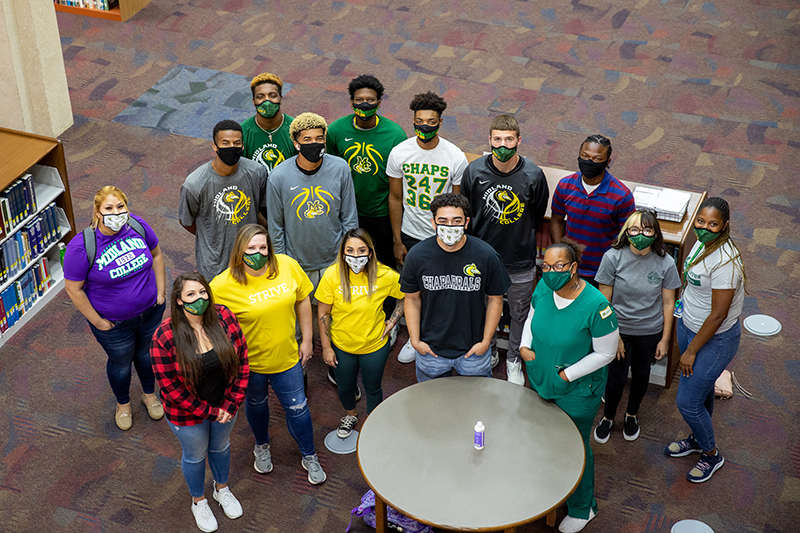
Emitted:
<point x="695" y="95"/>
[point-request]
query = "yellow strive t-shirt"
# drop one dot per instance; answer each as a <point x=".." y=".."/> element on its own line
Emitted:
<point x="356" y="327"/>
<point x="265" y="310"/>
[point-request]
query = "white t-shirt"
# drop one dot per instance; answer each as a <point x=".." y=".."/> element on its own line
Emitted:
<point x="708" y="275"/>
<point x="425" y="174"/>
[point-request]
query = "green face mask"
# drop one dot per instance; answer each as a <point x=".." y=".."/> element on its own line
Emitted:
<point x="268" y="109"/>
<point x="640" y="242"/>
<point x="503" y="154"/>
<point x="704" y="235"/>
<point x="197" y="307"/>
<point x="255" y="261"/>
<point x="556" y="280"/>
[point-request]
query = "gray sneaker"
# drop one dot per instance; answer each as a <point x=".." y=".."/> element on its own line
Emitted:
<point x="315" y="473"/>
<point x="263" y="464"/>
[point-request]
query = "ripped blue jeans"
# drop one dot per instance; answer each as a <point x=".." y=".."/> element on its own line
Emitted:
<point x="288" y="388"/>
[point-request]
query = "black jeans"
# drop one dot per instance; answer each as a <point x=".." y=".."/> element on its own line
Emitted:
<point x="640" y="352"/>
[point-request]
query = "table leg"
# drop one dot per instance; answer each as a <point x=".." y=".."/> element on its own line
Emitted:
<point x="551" y="518"/>
<point x="380" y="515"/>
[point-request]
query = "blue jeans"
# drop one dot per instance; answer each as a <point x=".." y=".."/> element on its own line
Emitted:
<point x="430" y="367"/>
<point x="129" y="342"/>
<point x="208" y="438"/>
<point x="288" y="388"/>
<point x="696" y="392"/>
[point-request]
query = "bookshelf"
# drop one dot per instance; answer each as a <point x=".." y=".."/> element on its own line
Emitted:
<point x="125" y="10"/>
<point x="38" y="276"/>
<point x="678" y="236"/>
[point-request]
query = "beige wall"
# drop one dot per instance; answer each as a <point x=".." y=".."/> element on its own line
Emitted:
<point x="34" y="95"/>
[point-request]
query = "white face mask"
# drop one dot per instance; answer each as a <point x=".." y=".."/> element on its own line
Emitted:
<point x="356" y="263"/>
<point x="450" y="235"/>
<point x="115" y="222"/>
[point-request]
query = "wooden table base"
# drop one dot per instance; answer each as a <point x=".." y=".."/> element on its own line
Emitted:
<point x="381" y="520"/>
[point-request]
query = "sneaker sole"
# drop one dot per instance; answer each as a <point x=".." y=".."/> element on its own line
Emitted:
<point x="681" y="454"/>
<point x="701" y="480"/>
<point x="599" y="440"/>
<point x="344" y="436"/>
<point x="325" y="476"/>
<point x="631" y="438"/>
<point x="255" y="466"/>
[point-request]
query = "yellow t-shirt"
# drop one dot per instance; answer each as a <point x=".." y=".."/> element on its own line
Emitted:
<point x="265" y="310"/>
<point x="356" y="327"/>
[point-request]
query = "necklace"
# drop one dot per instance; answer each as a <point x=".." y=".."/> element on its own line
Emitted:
<point x="273" y="131"/>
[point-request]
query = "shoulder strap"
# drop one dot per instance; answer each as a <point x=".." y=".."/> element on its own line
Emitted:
<point x="90" y="239"/>
<point x="90" y="243"/>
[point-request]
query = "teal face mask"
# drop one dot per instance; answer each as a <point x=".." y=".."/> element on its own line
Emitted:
<point x="255" y="261"/>
<point x="705" y="235"/>
<point x="268" y="109"/>
<point x="556" y="280"/>
<point x="197" y="307"/>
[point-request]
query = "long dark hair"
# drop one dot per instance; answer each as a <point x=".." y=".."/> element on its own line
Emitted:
<point x="190" y="362"/>
<point x="724" y="209"/>
<point x="646" y="219"/>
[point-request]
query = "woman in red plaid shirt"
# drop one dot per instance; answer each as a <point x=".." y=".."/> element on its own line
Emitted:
<point x="199" y="357"/>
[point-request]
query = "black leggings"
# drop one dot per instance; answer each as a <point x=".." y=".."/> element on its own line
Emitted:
<point x="640" y="351"/>
<point x="346" y="372"/>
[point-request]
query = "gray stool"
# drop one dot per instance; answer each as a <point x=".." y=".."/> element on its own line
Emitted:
<point x="691" y="526"/>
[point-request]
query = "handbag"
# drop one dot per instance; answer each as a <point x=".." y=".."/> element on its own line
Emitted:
<point x="723" y="387"/>
<point x="395" y="521"/>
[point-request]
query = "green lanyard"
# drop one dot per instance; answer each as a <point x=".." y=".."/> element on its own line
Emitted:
<point x="688" y="263"/>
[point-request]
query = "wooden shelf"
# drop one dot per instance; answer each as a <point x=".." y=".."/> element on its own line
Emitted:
<point x="113" y="14"/>
<point x="125" y="10"/>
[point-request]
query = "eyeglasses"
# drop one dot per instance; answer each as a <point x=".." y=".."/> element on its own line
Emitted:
<point x="647" y="232"/>
<point x="558" y="267"/>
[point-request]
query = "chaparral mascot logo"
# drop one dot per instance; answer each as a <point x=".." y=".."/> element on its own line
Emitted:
<point x="471" y="270"/>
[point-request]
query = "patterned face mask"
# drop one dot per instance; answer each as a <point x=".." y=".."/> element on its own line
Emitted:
<point x="268" y="109"/>
<point x="115" y="222"/>
<point x="356" y="263"/>
<point x="450" y="235"/>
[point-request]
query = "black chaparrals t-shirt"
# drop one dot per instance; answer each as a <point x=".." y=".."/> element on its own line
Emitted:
<point x="453" y="287"/>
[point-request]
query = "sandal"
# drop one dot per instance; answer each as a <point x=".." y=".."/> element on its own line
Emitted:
<point x="124" y="420"/>
<point x="155" y="409"/>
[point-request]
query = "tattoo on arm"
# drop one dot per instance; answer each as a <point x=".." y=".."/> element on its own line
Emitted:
<point x="325" y="322"/>
<point x="397" y="313"/>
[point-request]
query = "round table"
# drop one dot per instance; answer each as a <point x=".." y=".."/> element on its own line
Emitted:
<point x="416" y="453"/>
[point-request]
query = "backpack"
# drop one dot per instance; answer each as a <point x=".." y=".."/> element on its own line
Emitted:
<point x="396" y="521"/>
<point x="90" y="239"/>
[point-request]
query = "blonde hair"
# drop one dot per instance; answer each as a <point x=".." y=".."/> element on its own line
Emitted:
<point x="243" y="238"/>
<point x="102" y="194"/>
<point x="266" y="77"/>
<point x="307" y="121"/>
<point x="344" y="269"/>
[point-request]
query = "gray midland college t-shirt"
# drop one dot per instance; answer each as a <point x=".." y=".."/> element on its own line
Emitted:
<point x="220" y="205"/>
<point x="637" y="282"/>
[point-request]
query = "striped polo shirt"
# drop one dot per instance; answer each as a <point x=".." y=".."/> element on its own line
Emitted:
<point x="595" y="219"/>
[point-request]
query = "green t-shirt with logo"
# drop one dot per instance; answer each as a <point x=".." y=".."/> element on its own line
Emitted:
<point x="268" y="150"/>
<point x="366" y="153"/>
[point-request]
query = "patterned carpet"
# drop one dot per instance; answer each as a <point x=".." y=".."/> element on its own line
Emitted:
<point x="695" y="95"/>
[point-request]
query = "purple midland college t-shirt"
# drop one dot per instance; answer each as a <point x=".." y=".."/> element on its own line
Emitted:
<point x="121" y="284"/>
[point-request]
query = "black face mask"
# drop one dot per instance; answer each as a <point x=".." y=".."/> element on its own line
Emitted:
<point x="312" y="151"/>
<point x="365" y="110"/>
<point x="426" y="133"/>
<point x="230" y="155"/>
<point x="591" y="169"/>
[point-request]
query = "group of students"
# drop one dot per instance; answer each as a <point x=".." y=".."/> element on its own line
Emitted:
<point x="464" y="235"/>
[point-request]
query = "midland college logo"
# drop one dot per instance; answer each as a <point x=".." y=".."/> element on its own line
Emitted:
<point x="231" y="205"/>
<point x="313" y="202"/>
<point x="365" y="155"/>
<point x="502" y="204"/>
<point x="471" y="270"/>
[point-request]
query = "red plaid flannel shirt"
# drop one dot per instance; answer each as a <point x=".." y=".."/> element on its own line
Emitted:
<point x="181" y="406"/>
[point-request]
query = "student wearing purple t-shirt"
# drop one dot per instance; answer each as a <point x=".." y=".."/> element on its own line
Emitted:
<point x="121" y="292"/>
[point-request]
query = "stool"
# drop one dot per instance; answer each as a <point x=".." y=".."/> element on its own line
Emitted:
<point x="691" y="526"/>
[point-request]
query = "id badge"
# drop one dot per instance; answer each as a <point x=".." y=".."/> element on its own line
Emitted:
<point x="678" y="311"/>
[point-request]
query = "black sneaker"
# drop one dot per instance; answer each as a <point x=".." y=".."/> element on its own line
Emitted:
<point x="603" y="430"/>
<point x="346" y="426"/>
<point x="683" y="447"/>
<point x="630" y="430"/>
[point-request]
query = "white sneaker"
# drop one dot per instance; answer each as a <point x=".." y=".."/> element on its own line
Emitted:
<point x="573" y="525"/>
<point x="393" y="336"/>
<point x="228" y="502"/>
<point x="204" y="517"/>
<point x="407" y="353"/>
<point x="495" y="359"/>
<point x="514" y="369"/>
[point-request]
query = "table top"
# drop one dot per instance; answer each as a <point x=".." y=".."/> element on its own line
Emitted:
<point x="416" y="451"/>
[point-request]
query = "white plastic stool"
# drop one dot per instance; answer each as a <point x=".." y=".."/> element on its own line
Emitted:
<point x="691" y="526"/>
